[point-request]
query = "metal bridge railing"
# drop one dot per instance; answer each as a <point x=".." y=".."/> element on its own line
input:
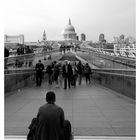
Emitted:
<point x="130" y="62"/>
<point x="26" y="59"/>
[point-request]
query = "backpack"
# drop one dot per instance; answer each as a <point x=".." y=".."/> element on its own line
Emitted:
<point x="67" y="130"/>
<point x="32" y="129"/>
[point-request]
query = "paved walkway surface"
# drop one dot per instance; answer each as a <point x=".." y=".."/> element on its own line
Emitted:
<point x="78" y="138"/>
<point x="92" y="109"/>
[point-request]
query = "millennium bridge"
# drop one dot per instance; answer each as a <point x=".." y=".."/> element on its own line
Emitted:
<point x="103" y="110"/>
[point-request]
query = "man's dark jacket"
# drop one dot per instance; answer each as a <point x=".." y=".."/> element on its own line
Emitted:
<point x="50" y="123"/>
<point x="67" y="73"/>
<point x="39" y="69"/>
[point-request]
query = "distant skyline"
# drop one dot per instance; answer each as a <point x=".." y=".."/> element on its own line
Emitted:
<point x="91" y="17"/>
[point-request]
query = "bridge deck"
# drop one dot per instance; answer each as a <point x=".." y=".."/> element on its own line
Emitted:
<point x="79" y="138"/>
<point x="92" y="109"/>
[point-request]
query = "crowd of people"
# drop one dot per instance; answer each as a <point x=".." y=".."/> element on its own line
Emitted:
<point x="65" y="48"/>
<point x="67" y="73"/>
<point x="24" y="50"/>
<point x="50" y="122"/>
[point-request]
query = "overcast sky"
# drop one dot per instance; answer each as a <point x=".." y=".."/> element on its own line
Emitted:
<point x="92" y="17"/>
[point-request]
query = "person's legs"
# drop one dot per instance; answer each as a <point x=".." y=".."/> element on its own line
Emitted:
<point x="74" y="81"/>
<point x="65" y="82"/>
<point x="89" y="78"/>
<point x="86" y="76"/>
<point x="51" y="79"/>
<point x="48" y="75"/>
<point x="40" y="80"/>
<point x="80" y="79"/>
<point x="37" y="79"/>
<point x="69" y="81"/>
<point x="56" y="80"/>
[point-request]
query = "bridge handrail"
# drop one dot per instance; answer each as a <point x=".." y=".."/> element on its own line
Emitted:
<point x="125" y="75"/>
<point x="31" y="54"/>
<point x="92" y="51"/>
<point x="93" y="71"/>
<point x="22" y="73"/>
<point x="97" y="52"/>
<point x="102" y="69"/>
<point x="100" y="49"/>
<point x="108" y="69"/>
<point x="18" y="69"/>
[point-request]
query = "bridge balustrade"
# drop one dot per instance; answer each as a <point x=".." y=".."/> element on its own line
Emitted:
<point x="130" y="62"/>
<point x="16" y="79"/>
<point x="122" y="81"/>
<point x="27" y="60"/>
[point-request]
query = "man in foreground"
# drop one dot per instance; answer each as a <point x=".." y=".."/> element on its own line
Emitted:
<point x="50" y="120"/>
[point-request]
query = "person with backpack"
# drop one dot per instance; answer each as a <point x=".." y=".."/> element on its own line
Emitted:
<point x="49" y="72"/>
<point x="74" y="75"/>
<point x="80" y="69"/>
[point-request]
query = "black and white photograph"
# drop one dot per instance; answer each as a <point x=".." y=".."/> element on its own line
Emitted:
<point x="69" y="70"/>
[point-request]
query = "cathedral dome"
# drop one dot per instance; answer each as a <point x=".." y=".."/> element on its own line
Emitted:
<point x="69" y="29"/>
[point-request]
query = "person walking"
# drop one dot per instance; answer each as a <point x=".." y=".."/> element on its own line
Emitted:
<point x="80" y="71"/>
<point x="74" y="75"/>
<point x="6" y="55"/>
<point x="49" y="72"/>
<point x="87" y="71"/>
<point x="67" y="73"/>
<point x="56" y="74"/>
<point x="39" y="73"/>
<point x="50" y="120"/>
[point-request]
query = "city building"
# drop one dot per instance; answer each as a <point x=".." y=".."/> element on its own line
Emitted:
<point x="19" y="39"/>
<point x="101" y="38"/>
<point x="83" y="37"/>
<point x="69" y="32"/>
<point x="13" y="41"/>
<point x="124" y="45"/>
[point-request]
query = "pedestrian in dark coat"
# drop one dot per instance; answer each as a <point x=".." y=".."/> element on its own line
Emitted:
<point x="39" y="73"/>
<point x="74" y="75"/>
<point x="87" y="71"/>
<point x="6" y="54"/>
<point x="49" y="71"/>
<point x="67" y="73"/>
<point x="56" y="73"/>
<point x="80" y="69"/>
<point x="50" y="119"/>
